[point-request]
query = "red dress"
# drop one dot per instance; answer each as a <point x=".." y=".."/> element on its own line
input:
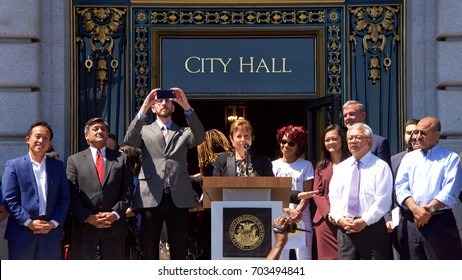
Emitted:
<point x="326" y="232"/>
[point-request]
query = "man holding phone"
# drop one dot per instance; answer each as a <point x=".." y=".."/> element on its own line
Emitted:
<point x="165" y="94"/>
<point x="165" y="192"/>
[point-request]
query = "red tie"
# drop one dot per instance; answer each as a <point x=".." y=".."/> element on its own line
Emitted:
<point x="100" y="166"/>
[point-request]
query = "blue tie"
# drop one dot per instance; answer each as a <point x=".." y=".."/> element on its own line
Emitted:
<point x="353" y="197"/>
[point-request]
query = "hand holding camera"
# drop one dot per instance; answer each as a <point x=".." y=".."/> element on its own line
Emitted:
<point x="174" y="94"/>
<point x="288" y="225"/>
<point x="165" y="94"/>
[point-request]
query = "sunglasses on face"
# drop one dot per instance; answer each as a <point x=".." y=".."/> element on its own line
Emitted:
<point x="290" y="143"/>
<point x="414" y="140"/>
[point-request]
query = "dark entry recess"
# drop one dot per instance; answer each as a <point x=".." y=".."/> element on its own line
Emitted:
<point x="266" y="118"/>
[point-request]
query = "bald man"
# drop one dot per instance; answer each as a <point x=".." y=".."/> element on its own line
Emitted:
<point x="427" y="185"/>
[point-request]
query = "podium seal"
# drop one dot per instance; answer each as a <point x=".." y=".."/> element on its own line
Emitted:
<point x="247" y="232"/>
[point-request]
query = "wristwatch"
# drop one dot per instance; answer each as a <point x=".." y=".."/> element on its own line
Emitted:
<point x="432" y="210"/>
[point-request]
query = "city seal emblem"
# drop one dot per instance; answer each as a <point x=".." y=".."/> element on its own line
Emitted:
<point x="247" y="232"/>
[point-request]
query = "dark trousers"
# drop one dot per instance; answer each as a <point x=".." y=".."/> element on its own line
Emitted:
<point x="397" y="241"/>
<point x="109" y="248"/>
<point x="369" y="244"/>
<point x="437" y="240"/>
<point x="176" y="220"/>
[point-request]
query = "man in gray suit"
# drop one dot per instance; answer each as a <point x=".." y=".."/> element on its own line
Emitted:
<point x="101" y="183"/>
<point x="165" y="192"/>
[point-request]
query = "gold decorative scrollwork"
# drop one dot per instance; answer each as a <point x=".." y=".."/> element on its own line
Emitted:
<point x="101" y="24"/>
<point x="88" y="64"/>
<point x="334" y="67"/>
<point x="101" y="71"/>
<point x="367" y="20"/>
<point x="237" y="17"/>
<point x="374" y="69"/>
<point x="387" y="62"/>
<point x="373" y="25"/>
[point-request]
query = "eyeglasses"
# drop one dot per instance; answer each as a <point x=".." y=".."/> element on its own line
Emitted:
<point x="414" y="140"/>
<point x="290" y="143"/>
<point x="358" y="138"/>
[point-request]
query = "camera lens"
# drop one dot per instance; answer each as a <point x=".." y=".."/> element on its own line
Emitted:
<point x="291" y="227"/>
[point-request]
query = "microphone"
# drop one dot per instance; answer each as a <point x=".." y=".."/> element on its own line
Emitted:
<point x="247" y="158"/>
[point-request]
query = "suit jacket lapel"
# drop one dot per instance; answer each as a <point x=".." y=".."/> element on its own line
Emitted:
<point x="50" y="187"/>
<point x="31" y="174"/>
<point x="158" y="135"/>
<point x="172" y="131"/>
<point x="90" y="164"/>
<point x="110" y="157"/>
<point x="231" y="166"/>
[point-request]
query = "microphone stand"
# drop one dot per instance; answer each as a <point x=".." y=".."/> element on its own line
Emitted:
<point x="247" y="159"/>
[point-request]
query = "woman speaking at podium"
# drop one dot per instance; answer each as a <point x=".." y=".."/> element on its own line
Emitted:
<point x="242" y="161"/>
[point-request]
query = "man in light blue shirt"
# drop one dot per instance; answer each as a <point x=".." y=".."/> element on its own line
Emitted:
<point x="427" y="186"/>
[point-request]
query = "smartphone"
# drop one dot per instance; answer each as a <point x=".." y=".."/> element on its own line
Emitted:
<point x="165" y="94"/>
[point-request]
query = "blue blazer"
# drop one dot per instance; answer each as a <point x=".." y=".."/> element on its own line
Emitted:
<point x="20" y="195"/>
<point x="381" y="148"/>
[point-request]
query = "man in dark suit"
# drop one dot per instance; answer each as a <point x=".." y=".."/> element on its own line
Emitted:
<point x="36" y="195"/>
<point x="397" y="230"/>
<point x="409" y="128"/>
<point x="355" y="112"/>
<point x="100" y="182"/>
<point x="165" y="192"/>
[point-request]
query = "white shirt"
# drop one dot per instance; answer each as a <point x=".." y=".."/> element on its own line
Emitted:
<point x="94" y="154"/>
<point x="300" y="170"/>
<point x="41" y="180"/>
<point x="375" y="191"/>
<point x="40" y="174"/>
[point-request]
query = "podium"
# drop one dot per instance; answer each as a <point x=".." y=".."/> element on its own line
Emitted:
<point x="243" y="209"/>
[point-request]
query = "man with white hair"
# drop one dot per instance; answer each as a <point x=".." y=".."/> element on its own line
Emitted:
<point x="360" y="195"/>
